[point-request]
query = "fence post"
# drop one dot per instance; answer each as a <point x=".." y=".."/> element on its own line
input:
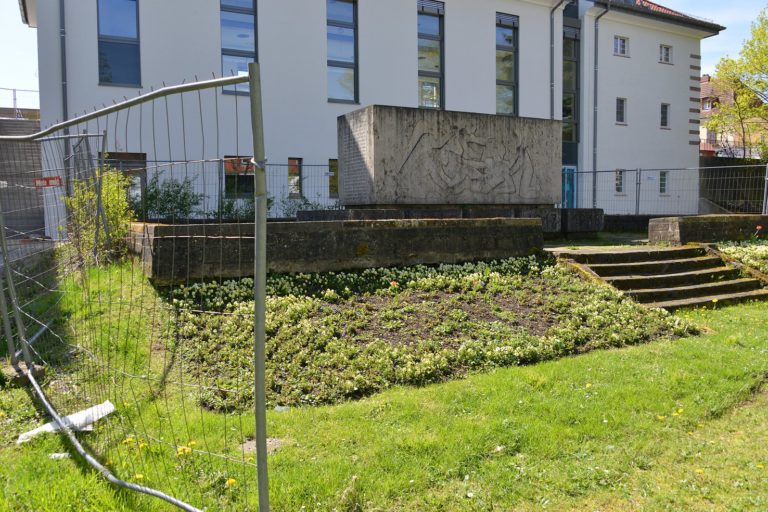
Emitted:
<point x="259" y="285"/>
<point x="6" y="319"/>
<point x="20" y="331"/>
<point x="765" y="193"/>
<point x="638" y="189"/>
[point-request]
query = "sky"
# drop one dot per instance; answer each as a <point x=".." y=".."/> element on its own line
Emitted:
<point x="18" y="57"/>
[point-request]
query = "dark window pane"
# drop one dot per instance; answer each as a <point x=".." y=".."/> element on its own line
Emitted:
<point x="242" y="4"/>
<point x="238" y="186"/>
<point x="569" y="132"/>
<point x="341" y="44"/>
<point x="235" y="66"/>
<point x="119" y="63"/>
<point x="569" y="103"/>
<point x="117" y="18"/>
<point x="505" y="99"/>
<point x="341" y="83"/>
<point x="341" y="11"/>
<point x="237" y="31"/>
<point x="429" y="25"/>
<point x="505" y="36"/>
<point x="505" y="66"/>
<point x="429" y="55"/>
<point x="570" y="73"/>
<point x="570" y="48"/>
<point x="429" y="92"/>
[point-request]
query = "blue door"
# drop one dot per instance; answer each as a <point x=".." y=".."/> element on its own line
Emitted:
<point x="569" y="187"/>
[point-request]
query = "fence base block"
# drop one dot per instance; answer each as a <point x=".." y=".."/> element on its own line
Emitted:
<point x="704" y="228"/>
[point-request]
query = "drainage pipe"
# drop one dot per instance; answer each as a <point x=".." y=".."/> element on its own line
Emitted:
<point x="594" y="104"/>
<point x="552" y="59"/>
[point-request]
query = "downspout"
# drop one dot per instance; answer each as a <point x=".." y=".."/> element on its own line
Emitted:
<point x="594" y="101"/>
<point x="552" y="59"/>
<point x="64" y="103"/>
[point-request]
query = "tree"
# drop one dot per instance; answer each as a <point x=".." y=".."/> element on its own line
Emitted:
<point x="741" y="85"/>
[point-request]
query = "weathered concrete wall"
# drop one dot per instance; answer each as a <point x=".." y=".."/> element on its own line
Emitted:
<point x="175" y="254"/>
<point x="705" y="228"/>
<point x="407" y="156"/>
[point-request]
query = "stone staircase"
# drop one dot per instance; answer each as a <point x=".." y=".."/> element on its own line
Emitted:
<point x="668" y="278"/>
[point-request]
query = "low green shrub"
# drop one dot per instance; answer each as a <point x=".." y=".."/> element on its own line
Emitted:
<point x="753" y="253"/>
<point x="411" y="326"/>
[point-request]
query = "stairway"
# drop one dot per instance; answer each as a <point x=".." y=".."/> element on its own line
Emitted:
<point x="668" y="278"/>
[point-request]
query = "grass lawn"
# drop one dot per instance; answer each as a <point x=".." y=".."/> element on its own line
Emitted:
<point x="674" y="424"/>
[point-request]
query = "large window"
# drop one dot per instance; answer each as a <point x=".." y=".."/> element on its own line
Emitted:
<point x="570" y="84"/>
<point x="295" y="178"/>
<point x="431" y="60"/>
<point x="665" y="54"/>
<point x="119" y="60"/>
<point x="663" y="180"/>
<point x="665" y="115"/>
<point x="238" y="177"/>
<point x="506" y="64"/>
<point x="619" y="181"/>
<point x="621" y="46"/>
<point x="238" y="39"/>
<point x="342" y="51"/>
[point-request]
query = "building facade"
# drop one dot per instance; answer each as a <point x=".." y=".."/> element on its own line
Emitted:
<point x="623" y="75"/>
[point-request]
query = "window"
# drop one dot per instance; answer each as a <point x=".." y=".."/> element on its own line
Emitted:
<point x="238" y="40"/>
<point x="663" y="175"/>
<point x="342" y="51"/>
<point x="665" y="115"/>
<point x="333" y="178"/>
<point x="119" y="55"/>
<point x="570" y="84"/>
<point x="506" y="64"/>
<point x="238" y="177"/>
<point x="295" y="178"/>
<point x="665" y="54"/>
<point x="706" y="104"/>
<point x="621" y="46"/>
<point x="431" y="61"/>
<point x="619" y="181"/>
<point x="621" y="110"/>
<point x="132" y="165"/>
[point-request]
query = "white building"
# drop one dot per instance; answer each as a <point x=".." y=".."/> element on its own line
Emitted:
<point x="323" y="58"/>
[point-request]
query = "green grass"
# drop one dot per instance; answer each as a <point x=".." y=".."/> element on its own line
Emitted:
<point x="607" y="430"/>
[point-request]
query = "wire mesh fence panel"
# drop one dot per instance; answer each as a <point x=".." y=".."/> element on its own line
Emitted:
<point x="82" y="210"/>
<point x="660" y="192"/>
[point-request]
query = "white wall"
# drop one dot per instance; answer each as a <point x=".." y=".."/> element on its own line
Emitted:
<point x="646" y="84"/>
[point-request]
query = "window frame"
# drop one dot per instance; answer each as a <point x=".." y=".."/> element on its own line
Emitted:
<point x="706" y="104"/>
<point x="514" y="24"/>
<point x="663" y="183"/>
<point x="249" y="171"/>
<point x="618" y="184"/>
<point x="664" y="123"/>
<point x="438" y="13"/>
<point x="574" y="36"/>
<point x="120" y="40"/>
<point x="669" y="55"/>
<point x="300" y="164"/>
<point x="624" y="103"/>
<point x="340" y="64"/>
<point x="616" y="52"/>
<point x="239" y="89"/>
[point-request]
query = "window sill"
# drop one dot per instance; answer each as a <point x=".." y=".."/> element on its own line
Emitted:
<point x="621" y="124"/>
<point x="112" y="84"/>
<point x="667" y="128"/>
<point x="343" y="102"/>
<point x="620" y="194"/>
<point x="621" y="55"/>
<point x="666" y="63"/>
<point x="664" y="195"/>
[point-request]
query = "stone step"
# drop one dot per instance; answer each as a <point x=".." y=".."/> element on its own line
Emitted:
<point x="596" y="257"/>
<point x="655" y="268"/>
<point x="712" y="300"/>
<point x="709" y="275"/>
<point x="698" y="290"/>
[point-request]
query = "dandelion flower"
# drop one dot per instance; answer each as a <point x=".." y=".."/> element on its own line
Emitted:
<point x="699" y="471"/>
<point x="760" y="466"/>
<point x="661" y="418"/>
<point x="231" y="482"/>
<point x="589" y="384"/>
<point x="183" y="450"/>
<point x="138" y="476"/>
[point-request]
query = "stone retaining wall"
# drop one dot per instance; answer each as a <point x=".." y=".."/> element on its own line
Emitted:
<point x="176" y="253"/>
<point x="704" y="228"/>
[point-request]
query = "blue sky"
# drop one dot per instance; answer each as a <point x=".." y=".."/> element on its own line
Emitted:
<point x="18" y="58"/>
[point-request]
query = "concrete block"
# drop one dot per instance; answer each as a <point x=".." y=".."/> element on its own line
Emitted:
<point x="704" y="228"/>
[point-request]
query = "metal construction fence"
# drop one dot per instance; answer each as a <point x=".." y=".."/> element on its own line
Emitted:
<point x="737" y="189"/>
<point x="119" y="363"/>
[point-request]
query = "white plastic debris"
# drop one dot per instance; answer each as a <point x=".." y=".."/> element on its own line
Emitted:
<point x="80" y="421"/>
<point x="59" y="456"/>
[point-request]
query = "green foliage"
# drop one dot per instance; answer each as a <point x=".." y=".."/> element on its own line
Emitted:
<point x="170" y="201"/>
<point x="83" y="217"/>
<point x="326" y="343"/>
<point x="753" y="253"/>
<point x="290" y="205"/>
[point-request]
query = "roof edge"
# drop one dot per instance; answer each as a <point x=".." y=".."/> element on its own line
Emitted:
<point x="23" y="9"/>
<point x="684" y="20"/>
